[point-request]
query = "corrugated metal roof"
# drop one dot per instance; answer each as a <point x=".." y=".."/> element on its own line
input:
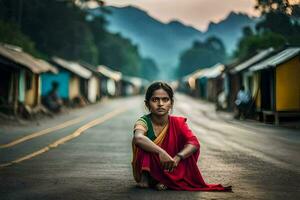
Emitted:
<point x="214" y="71"/>
<point x="74" y="67"/>
<point x="89" y="66"/>
<point x="45" y="65"/>
<point x="16" y="55"/>
<point x="277" y="59"/>
<point x="199" y="73"/>
<point x="136" y="81"/>
<point x="115" y="75"/>
<point x="258" y="57"/>
<point x="195" y="74"/>
<point x="211" y="72"/>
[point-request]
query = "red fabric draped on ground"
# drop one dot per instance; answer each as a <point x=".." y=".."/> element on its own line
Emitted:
<point x="186" y="176"/>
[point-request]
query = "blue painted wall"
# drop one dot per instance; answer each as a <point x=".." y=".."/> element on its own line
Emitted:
<point x="62" y="78"/>
<point x="22" y="86"/>
<point x="202" y="84"/>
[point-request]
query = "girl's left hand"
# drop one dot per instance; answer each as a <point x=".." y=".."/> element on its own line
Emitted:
<point x="176" y="162"/>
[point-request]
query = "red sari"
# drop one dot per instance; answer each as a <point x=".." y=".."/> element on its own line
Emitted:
<point x="186" y="176"/>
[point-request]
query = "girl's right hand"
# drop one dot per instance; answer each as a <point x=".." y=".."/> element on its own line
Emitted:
<point x="166" y="160"/>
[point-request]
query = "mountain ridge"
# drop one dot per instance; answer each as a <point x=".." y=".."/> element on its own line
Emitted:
<point x="164" y="42"/>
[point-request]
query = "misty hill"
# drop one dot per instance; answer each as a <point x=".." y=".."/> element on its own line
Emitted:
<point x="230" y="29"/>
<point x="164" y="42"/>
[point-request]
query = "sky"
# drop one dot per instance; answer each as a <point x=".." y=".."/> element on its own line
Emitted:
<point x="197" y="13"/>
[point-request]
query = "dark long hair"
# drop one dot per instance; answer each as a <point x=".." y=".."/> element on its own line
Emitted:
<point x="156" y="86"/>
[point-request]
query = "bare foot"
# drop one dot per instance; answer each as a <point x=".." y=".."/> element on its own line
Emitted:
<point x="161" y="187"/>
<point x="144" y="183"/>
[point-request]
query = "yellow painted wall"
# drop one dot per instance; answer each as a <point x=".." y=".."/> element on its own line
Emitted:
<point x="31" y="95"/>
<point x="98" y="87"/>
<point x="39" y="90"/>
<point x="74" y="87"/>
<point x="288" y="85"/>
<point x="256" y="92"/>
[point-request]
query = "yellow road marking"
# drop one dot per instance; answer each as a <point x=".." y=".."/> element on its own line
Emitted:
<point x="63" y="140"/>
<point x="42" y="132"/>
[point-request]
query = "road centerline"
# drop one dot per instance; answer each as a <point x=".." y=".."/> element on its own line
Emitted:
<point x="42" y="132"/>
<point x="67" y="138"/>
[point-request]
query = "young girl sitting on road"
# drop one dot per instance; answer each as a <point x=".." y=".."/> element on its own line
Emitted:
<point x="165" y="150"/>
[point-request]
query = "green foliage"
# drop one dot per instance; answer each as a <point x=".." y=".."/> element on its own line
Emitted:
<point x="247" y="31"/>
<point x="57" y="27"/>
<point x="11" y="34"/>
<point x="266" y="6"/>
<point x="61" y="28"/>
<point x="120" y="54"/>
<point x="295" y="10"/>
<point x="201" y="55"/>
<point x="281" y="17"/>
<point x="287" y="7"/>
<point x="114" y="50"/>
<point x="249" y="45"/>
<point x="276" y="22"/>
<point x="275" y="30"/>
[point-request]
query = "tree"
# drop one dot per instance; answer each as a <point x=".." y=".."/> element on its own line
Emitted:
<point x="278" y="18"/>
<point x="62" y="28"/>
<point x="11" y="34"/>
<point x="275" y="30"/>
<point x="247" y="31"/>
<point x="216" y="45"/>
<point x="65" y="34"/>
<point x="267" y="6"/>
<point x="201" y="55"/>
<point x="277" y="14"/>
<point x="120" y="54"/>
<point x="295" y="10"/>
<point x="276" y="22"/>
<point x="250" y="45"/>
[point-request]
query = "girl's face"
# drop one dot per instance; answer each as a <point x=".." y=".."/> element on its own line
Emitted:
<point x="160" y="103"/>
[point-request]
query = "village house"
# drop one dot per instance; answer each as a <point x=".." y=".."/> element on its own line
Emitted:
<point x="73" y="81"/>
<point x="111" y="83"/>
<point x="279" y="84"/>
<point x="20" y="80"/>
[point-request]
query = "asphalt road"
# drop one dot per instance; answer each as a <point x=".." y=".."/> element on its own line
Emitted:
<point x="86" y="154"/>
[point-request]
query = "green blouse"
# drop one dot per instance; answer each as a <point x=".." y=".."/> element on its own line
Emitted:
<point x="146" y="122"/>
